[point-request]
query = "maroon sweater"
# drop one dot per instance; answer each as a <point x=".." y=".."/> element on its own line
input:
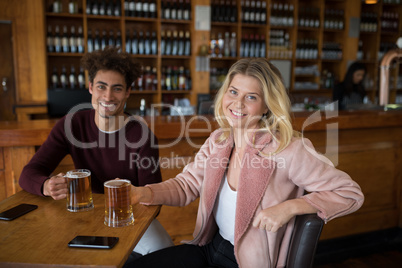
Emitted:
<point x="130" y="153"/>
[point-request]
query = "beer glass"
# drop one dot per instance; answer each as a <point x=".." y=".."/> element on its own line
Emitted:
<point x="79" y="196"/>
<point x="118" y="209"/>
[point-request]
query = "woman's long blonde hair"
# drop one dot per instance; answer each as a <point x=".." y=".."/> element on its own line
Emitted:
<point x="277" y="121"/>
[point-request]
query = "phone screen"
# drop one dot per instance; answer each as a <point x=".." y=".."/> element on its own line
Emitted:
<point x="17" y="211"/>
<point x="93" y="242"/>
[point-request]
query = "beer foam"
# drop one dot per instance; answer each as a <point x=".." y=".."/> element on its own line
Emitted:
<point x="77" y="175"/>
<point x="117" y="183"/>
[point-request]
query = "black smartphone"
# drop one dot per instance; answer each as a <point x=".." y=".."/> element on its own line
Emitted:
<point x="103" y="242"/>
<point x="17" y="211"/>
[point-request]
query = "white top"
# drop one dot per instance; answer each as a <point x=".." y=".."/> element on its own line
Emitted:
<point x="225" y="211"/>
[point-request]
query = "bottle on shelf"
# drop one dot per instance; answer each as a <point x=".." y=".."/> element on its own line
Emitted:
<point x="154" y="44"/>
<point x="90" y="41"/>
<point x="72" y="78"/>
<point x="152" y="9"/>
<point x="80" y="40"/>
<point x="49" y="39"/>
<point x="147" y="44"/>
<point x="175" y="43"/>
<point x="128" y="41"/>
<point x="102" y="8"/>
<point x="72" y="40"/>
<point x="232" y="45"/>
<point x="63" y="78"/>
<point x="187" y="10"/>
<point x="73" y="7"/>
<point x="117" y="8"/>
<point x="139" y="9"/>
<point x="148" y="79"/>
<point x="55" y="78"/>
<point x="143" y="109"/>
<point x="187" y="44"/>
<point x="81" y="79"/>
<point x="173" y="10"/>
<point x="134" y="44"/>
<point x="141" y="45"/>
<point x="64" y="40"/>
<point x="168" y="43"/>
<point x="57" y="6"/>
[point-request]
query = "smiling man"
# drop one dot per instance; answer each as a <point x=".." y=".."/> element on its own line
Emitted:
<point x="101" y="139"/>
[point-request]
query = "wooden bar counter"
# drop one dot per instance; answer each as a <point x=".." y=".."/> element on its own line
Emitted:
<point x="365" y="144"/>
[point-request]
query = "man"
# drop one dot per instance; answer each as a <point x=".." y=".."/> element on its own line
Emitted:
<point x="104" y="139"/>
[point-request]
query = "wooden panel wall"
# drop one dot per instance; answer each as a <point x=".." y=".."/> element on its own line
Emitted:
<point x="28" y="28"/>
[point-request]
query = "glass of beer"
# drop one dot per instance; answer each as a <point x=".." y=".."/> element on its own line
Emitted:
<point x="79" y="196"/>
<point x="118" y="209"/>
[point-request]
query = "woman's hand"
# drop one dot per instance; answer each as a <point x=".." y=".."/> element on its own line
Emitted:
<point x="140" y="194"/>
<point x="273" y="218"/>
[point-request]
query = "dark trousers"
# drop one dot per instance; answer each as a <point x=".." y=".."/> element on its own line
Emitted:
<point x="218" y="253"/>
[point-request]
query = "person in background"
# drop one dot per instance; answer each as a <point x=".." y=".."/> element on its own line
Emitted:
<point x="104" y="139"/>
<point x="351" y="90"/>
<point x="250" y="177"/>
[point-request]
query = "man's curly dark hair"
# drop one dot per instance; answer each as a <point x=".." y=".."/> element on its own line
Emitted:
<point x="111" y="59"/>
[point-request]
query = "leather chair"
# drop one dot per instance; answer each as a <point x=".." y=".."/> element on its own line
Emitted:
<point x="303" y="243"/>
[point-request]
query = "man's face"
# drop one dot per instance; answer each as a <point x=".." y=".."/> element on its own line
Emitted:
<point x="109" y="93"/>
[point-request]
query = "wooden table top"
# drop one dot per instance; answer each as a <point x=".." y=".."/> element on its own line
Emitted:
<point x="40" y="238"/>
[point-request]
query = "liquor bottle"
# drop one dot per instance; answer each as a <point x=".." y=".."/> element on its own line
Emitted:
<point x="152" y="9"/>
<point x="148" y="78"/>
<point x="103" y="40"/>
<point x="141" y="44"/>
<point x="257" y="14"/>
<point x="55" y="78"/>
<point x="219" y="47"/>
<point x="262" y="47"/>
<point x="57" y="6"/>
<point x="81" y="79"/>
<point x="168" y="79"/>
<point x="64" y="40"/>
<point x="179" y="12"/>
<point x="166" y="9"/>
<point x="72" y="40"/>
<point x="147" y="45"/>
<point x="181" y="79"/>
<point x="226" y="45"/>
<point x="95" y="8"/>
<point x="175" y="78"/>
<point x="102" y="8"/>
<point x="252" y="12"/>
<point x="140" y="80"/>
<point x="118" y="41"/>
<point x="187" y="44"/>
<point x="246" y="12"/>
<point x="168" y="43"/>
<point x="131" y="8"/>
<point x="154" y="44"/>
<point x="63" y="78"/>
<point x="97" y="41"/>
<point x="117" y="8"/>
<point x="251" y="46"/>
<point x="111" y="41"/>
<point x="72" y="79"/>
<point x="80" y="40"/>
<point x="173" y="10"/>
<point x="126" y="8"/>
<point x="163" y="78"/>
<point x="134" y="44"/>
<point x="188" y="79"/>
<point x="145" y="9"/>
<point x="163" y="42"/>
<point x="128" y="41"/>
<point x="138" y="9"/>
<point x="88" y="10"/>
<point x="187" y="10"/>
<point x="73" y="7"/>
<point x="110" y="8"/>
<point x="154" y="79"/>
<point x="263" y="12"/>
<point x="233" y="11"/>
<point x="232" y="45"/>
<point x="174" y="43"/>
<point x="49" y="39"/>
<point x="180" y="44"/>
<point x="142" y="108"/>
<point x="90" y="42"/>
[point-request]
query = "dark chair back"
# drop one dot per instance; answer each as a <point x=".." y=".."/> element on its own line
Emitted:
<point x="303" y="243"/>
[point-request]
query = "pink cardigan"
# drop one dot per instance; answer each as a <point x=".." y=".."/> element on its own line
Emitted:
<point x="264" y="181"/>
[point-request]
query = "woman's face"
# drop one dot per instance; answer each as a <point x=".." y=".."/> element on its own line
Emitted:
<point x="358" y="76"/>
<point x="243" y="103"/>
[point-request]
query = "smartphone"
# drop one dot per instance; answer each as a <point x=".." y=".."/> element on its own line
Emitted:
<point x="102" y="242"/>
<point x="17" y="211"/>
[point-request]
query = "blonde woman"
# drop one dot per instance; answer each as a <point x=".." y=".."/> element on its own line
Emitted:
<point x="250" y="176"/>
